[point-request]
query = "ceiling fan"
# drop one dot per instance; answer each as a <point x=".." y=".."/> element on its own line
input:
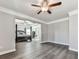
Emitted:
<point x="45" y="6"/>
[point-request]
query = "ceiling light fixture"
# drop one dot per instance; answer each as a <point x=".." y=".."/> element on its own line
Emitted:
<point x="45" y="6"/>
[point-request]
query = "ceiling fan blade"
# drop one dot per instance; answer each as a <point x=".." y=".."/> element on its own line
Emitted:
<point x="36" y="5"/>
<point x="55" y="4"/>
<point x="39" y="12"/>
<point x="49" y="11"/>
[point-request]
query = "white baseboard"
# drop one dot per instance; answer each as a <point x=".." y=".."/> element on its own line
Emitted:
<point x="61" y="43"/>
<point x="8" y="51"/>
<point x="43" y="41"/>
<point x="55" y="42"/>
<point x="73" y="49"/>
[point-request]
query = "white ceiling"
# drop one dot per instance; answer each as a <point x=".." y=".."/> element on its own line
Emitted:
<point x="24" y="6"/>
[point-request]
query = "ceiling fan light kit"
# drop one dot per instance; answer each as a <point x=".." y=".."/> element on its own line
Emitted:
<point x="45" y="6"/>
<point x="44" y="9"/>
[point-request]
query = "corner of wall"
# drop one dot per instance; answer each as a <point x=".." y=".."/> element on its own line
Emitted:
<point x="71" y="49"/>
<point x="8" y="51"/>
<point x="73" y="12"/>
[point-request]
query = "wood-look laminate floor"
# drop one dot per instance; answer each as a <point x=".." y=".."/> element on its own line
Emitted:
<point x="35" y="50"/>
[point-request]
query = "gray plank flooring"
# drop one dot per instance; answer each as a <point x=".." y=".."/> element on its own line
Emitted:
<point x="35" y="50"/>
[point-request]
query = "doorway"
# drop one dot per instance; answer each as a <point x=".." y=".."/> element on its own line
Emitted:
<point x="27" y="31"/>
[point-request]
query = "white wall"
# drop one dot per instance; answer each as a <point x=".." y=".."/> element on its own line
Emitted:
<point x="65" y="32"/>
<point x="44" y="32"/>
<point x="51" y="33"/>
<point x="73" y="32"/>
<point x="61" y="32"/>
<point x="7" y="33"/>
<point x="58" y="32"/>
